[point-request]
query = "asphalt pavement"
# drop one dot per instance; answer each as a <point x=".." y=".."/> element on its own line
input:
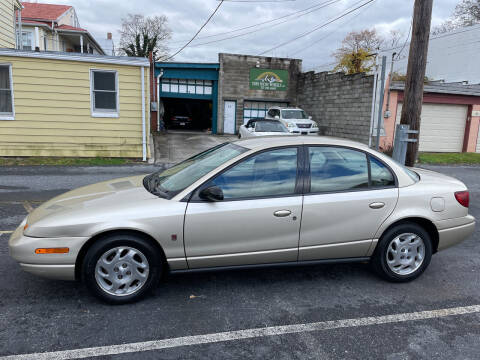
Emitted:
<point x="319" y="312"/>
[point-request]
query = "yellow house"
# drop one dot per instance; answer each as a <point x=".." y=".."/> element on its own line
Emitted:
<point x="7" y="22"/>
<point x="62" y="104"/>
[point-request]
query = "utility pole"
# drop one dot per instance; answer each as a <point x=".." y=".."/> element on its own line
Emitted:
<point x="417" y="62"/>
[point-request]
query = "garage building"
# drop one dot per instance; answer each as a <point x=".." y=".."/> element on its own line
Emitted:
<point x="450" y="117"/>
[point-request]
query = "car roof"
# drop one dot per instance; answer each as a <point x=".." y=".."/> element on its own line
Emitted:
<point x="274" y="141"/>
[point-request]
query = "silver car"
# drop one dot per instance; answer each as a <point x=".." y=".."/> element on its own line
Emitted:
<point x="256" y="202"/>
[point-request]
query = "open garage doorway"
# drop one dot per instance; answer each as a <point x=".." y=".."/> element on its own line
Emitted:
<point x="187" y="114"/>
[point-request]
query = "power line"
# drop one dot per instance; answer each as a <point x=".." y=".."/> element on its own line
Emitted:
<point x="321" y="4"/>
<point x="330" y="2"/>
<point x="332" y="32"/>
<point x="198" y="32"/>
<point x="317" y="27"/>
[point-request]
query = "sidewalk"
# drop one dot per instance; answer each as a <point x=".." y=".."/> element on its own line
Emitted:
<point x="173" y="147"/>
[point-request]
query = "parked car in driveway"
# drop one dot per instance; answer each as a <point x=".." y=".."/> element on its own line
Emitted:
<point x="262" y="127"/>
<point x="256" y="202"/>
<point x="296" y="120"/>
<point x="181" y="121"/>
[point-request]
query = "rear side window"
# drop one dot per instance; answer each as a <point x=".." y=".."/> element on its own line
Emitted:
<point x="337" y="169"/>
<point x="381" y="176"/>
<point x="341" y="169"/>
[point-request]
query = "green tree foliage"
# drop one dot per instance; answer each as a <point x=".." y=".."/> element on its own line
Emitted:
<point x="142" y="47"/>
<point x="355" y="54"/>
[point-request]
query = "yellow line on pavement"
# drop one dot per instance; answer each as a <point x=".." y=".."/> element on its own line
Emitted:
<point x="6" y="232"/>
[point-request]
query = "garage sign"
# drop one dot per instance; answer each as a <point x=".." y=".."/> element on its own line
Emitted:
<point x="268" y="79"/>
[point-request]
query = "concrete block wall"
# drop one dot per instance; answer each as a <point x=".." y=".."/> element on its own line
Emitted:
<point x="341" y="104"/>
<point x="234" y="84"/>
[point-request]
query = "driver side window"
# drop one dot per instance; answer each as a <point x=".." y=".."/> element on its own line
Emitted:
<point x="270" y="173"/>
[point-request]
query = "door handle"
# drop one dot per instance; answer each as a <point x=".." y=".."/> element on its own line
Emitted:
<point x="282" y="213"/>
<point x="377" y="205"/>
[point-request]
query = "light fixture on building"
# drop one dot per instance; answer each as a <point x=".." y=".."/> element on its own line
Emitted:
<point x="257" y="64"/>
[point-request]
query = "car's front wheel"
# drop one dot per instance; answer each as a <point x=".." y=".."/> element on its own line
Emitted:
<point x="403" y="253"/>
<point x="121" y="268"/>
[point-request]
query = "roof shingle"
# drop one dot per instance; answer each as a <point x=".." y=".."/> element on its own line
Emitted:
<point x="45" y="12"/>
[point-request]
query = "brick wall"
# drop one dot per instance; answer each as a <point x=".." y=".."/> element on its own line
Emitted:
<point x="234" y="77"/>
<point x="341" y="104"/>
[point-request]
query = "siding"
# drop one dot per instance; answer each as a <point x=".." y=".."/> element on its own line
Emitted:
<point x="53" y="115"/>
<point x="7" y="24"/>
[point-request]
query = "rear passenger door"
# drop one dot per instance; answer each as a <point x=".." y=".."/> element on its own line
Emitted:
<point x="348" y="195"/>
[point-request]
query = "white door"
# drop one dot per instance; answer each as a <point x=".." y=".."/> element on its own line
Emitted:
<point x="442" y="127"/>
<point x="229" y="112"/>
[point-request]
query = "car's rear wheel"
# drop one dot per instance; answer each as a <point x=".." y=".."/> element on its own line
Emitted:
<point x="121" y="268"/>
<point x="403" y="253"/>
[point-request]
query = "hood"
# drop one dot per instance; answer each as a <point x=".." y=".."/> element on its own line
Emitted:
<point x="105" y="195"/>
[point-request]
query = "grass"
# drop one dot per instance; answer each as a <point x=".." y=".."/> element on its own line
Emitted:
<point x="64" y="161"/>
<point x="449" y="158"/>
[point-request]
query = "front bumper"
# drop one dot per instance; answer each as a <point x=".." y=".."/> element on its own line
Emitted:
<point x="303" y="131"/>
<point x="454" y="231"/>
<point x="53" y="266"/>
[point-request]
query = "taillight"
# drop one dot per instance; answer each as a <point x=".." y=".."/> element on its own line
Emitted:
<point x="463" y="198"/>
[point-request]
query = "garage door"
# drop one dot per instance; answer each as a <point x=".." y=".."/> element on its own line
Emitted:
<point x="254" y="109"/>
<point x="442" y="127"/>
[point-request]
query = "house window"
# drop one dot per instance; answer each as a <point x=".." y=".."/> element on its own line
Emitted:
<point x="6" y="93"/>
<point x="27" y="40"/>
<point x="104" y="93"/>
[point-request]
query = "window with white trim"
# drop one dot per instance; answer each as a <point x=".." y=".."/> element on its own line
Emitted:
<point x="104" y="93"/>
<point x="27" y="40"/>
<point x="6" y="93"/>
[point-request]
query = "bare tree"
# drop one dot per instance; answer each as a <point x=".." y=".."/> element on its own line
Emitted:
<point x="466" y="13"/>
<point x="136" y="26"/>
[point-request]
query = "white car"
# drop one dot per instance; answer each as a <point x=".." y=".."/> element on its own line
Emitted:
<point x="295" y="119"/>
<point x="261" y="127"/>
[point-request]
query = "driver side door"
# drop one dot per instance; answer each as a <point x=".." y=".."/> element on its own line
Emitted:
<point x="258" y="221"/>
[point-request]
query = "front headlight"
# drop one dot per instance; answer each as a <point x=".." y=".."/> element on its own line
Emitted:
<point x="314" y="126"/>
<point x="290" y="125"/>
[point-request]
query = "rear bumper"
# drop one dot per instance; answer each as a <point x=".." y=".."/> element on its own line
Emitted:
<point x="453" y="235"/>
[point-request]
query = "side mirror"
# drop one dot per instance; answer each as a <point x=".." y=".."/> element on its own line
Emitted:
<point x="277" y="117"/>
<point x="310" y="118"/>
<point x="212" y="193"/>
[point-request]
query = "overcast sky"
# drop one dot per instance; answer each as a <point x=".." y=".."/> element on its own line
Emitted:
<point x="186" y="16"/>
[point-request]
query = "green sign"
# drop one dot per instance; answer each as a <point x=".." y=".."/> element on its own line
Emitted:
<point x="268" y="79"/>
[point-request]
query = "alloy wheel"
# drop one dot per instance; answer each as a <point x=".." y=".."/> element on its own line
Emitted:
<point x="405" y="253"/>
<point x="122" y="271"/>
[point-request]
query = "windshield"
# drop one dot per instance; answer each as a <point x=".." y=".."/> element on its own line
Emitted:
<point x="269" y="126"/>
<point x="294" y="114"/>
<point x="168" y="183"/>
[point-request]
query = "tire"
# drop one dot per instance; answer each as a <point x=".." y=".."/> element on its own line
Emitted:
<point x="239" y="135"/>
<point x="403" y="253"/>
<point x="121" y="268"/>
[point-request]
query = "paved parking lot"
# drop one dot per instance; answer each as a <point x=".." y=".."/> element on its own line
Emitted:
<point x="321" y="312"/>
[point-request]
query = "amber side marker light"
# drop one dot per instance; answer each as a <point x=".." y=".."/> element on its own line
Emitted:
<point x="52" y="251"/>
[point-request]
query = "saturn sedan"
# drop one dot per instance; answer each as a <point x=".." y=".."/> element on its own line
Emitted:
<point x="258" y="202"/>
